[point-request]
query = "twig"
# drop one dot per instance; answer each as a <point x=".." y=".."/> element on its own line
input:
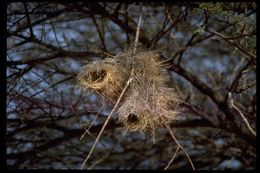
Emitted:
<point x="105" y="124"/>
<point x="122" y="93"/>
<point x="136" y="40"/>
<point x="137" y="31"/>
<point x="87" y="130"/>
<point x="109" y="152"/>
<point x="101" y="159"/>
<point x="99" y="111"/>
<point x="170" y="162"/>
<point x="237" y="45"/>
<point x="193" y="168"/>
<point x="55" y="35"/>
<point x="28" y="20"/>
<point x="124" y="11"/>
<point x="241" y="114"/>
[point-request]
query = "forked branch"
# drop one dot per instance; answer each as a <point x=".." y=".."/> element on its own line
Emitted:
<point x="179" y="145"/>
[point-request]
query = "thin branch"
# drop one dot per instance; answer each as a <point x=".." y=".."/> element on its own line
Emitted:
<point x="100" y="34"/>
<point x="102" y="11"/>
<point x="105" y="124"/>
<point x="251" y="55"/>
<point x="72" y="54"/>
<point x="125" y="11"/>
<point x="170" y="162"/>
<point x="55" y="35"/>
<point x="122" y="93"/>
<point x="241" y="114"/>
<point x="28" y="20"/>
<point x="137" y="30"/>
<point x="205" y="89"/>
<point x="49" y="15"/>
<point x="87" y="130"/>
<point x="109" y="152"/>
<point x="177" y="142"/>
<point x="236" y="80"/>
<point x="192" y="43"/>
<point x="164" y="31"/>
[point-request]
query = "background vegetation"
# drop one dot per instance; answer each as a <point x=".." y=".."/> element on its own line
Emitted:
<point x="211" y="48"/>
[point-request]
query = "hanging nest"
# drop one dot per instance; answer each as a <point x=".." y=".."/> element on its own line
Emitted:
<point x="146" y="113"/>
<point x="148" y="103"/>
<point x="105" y="78"/>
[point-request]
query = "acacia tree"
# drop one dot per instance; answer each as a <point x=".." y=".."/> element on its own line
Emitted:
<point x="211" y="51"/>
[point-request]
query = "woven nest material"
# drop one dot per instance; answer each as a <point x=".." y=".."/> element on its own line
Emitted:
<point x="145" y="113"/>
<point x="148" y="103"/>
<point x="104" y="77"/>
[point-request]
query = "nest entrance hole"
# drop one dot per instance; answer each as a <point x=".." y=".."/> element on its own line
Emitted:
<point x="97" y="75"/>
<point x="132" y="118"/>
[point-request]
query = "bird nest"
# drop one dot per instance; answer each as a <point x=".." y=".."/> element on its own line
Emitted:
<point x="103" y="78"/>
<point x="148" y="103"/>
<point x="147" y="110"/>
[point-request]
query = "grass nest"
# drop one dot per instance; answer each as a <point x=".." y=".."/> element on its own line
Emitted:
<point x="145" y="113"/>
<point x="104" y="78"/>
<point x="148" y="103"/>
